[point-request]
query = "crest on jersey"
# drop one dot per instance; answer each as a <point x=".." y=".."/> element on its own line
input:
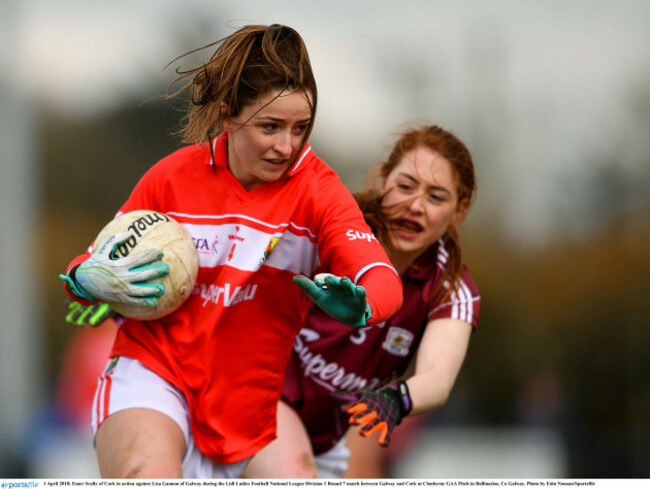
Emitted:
<point x="111" y="365"/>
<point x="398" y="341"/>
<point x="269" y="247"/>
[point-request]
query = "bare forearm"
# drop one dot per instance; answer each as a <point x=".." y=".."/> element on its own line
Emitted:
<point x="429" y="390"/>
<point x="440" y="357"/>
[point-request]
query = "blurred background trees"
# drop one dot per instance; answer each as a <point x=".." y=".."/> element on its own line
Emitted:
<point x="558" y="237"/>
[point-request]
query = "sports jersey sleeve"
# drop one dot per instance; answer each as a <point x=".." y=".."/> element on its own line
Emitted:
<point x="347" y="247"/>
<point x="380" y="284"/>
<point x="463" y="304"/>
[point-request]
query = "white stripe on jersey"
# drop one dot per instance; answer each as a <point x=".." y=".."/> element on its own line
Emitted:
<point x="443" y="254"/>
<point x="214" y="148"/>
<point x="461" y="302"/>
<point x="469" y="305"/>
<point x="294" y="253"/>
<point x="368" y="267"/>
<point x="454" y="301"/>
<point x="279" y="227"/>
<point x="462" y="314"/>
<point x="98" y="414"/>
<point x="244" y="247"/>
<point x="302" y="157"/>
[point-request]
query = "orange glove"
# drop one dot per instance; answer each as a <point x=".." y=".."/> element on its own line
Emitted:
<point x="380" y="410"/>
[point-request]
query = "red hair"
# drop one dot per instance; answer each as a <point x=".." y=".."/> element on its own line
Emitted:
<point x="454" y="151"/>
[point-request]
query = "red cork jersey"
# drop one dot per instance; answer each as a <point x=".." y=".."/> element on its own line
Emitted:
<point x="327" y="357"/>
<point x="227" y="347"/>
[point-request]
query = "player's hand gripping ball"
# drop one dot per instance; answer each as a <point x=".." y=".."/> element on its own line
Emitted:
<point x="129" y="263"/>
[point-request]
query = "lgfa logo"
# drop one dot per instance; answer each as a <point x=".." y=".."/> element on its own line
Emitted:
<point x="203" y="245"/>
<point x="352" y="235"/>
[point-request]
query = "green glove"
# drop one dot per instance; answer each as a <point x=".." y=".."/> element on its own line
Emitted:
<point x="92" y="315"/>
<point x="338" y="297"/>
<point x="105" y="277"/>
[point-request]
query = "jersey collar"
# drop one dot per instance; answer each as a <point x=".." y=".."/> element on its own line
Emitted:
<point x="219" y="151"/>
<point x="434" y="256"/>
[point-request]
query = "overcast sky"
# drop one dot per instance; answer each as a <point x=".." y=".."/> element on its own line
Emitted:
<point x="540" y="89"/>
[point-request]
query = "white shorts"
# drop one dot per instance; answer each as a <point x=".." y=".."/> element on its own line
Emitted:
<point x="333" y="463"/>
<point x="126" y="383"/>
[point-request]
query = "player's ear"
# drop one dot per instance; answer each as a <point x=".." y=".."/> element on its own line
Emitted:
<point x="225" y="119"/>
<point x="460" y="212"/>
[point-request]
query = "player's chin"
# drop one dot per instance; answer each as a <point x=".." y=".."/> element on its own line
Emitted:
<point x="408" y="245"/>
<point x="273" y="172"/>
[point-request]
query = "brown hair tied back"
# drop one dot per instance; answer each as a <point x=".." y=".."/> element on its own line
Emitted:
<point x="453" y="150"/>
<point x="250" y="63"/>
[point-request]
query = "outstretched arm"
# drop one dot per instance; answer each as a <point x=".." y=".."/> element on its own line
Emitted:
<point x="338" y="297"/>
<point x="440" y="357"/>
<point x="370" y="301"/>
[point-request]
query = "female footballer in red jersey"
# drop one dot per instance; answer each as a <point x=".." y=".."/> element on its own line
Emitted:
<point x="338" y="377"/>
<point x="195" y="393"/>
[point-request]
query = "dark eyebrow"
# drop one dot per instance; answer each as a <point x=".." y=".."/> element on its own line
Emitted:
<point x="430" y="187"/>
<point x="267" y="118"/>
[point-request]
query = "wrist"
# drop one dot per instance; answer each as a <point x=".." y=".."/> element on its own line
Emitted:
<point x="405" y="397"/>
<point x="368" y="313"/>
<point x="73" y="285"/>
<point x="400" y="394"/>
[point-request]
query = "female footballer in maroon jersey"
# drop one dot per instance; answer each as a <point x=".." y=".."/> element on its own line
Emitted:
<point x="195" y="393"/>
<point x="337" y="377"/>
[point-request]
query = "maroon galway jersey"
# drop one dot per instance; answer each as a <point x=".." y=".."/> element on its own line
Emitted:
<point x="328" y="357"/>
